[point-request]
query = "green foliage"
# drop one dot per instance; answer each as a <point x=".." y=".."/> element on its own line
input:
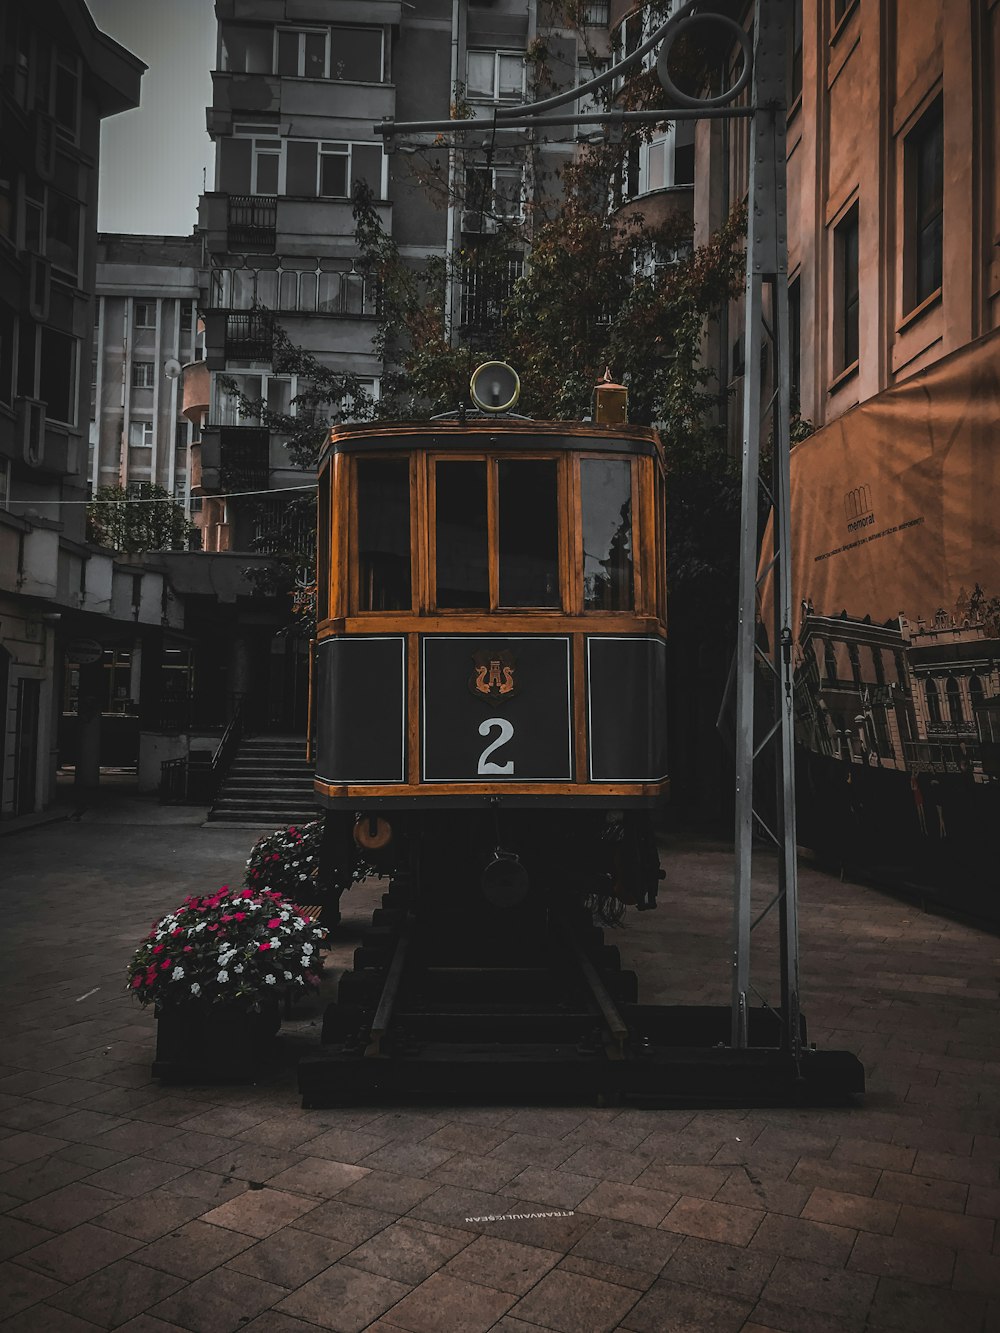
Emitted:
<point x="138" y="517"/>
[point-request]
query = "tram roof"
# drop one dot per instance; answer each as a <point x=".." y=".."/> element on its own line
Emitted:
<point x="484" y="432"/>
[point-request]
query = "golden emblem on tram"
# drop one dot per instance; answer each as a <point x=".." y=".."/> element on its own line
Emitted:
<point x="493" y="675"/>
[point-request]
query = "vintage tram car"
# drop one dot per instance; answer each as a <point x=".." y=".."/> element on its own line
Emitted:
<point x="491" y="658"/>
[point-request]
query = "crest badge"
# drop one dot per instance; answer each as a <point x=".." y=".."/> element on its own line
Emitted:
<point x="494" y="675"/>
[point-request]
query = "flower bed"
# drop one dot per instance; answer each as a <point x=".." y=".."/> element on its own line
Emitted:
<point x="236" y="946"/>
<point x="287" y="860"/>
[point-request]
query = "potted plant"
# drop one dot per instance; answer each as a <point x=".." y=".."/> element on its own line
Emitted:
<point x="215" y="969"/>
<point x="287" y="860"/>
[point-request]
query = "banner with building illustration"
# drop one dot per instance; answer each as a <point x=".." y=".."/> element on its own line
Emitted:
<point x="896" y="578"/>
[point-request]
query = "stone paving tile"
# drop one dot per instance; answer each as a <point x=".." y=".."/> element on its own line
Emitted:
<point x="851" y="1210"/>
<point x="17" y="1149"/>
<point x="44" y="1318"/>
<point x="67" y="1207"/>
<point x="547" y="1122"/>
<point x="502" y="1264"/>
<point x="318" y="1177"/>
<point x="192" y="1250"/>
<point x="628" y="1203"/>
<point x="219" y="1302"/>
<point x="950" y="1166"/>
<point x="977" y="1272"/>
<point x="84" y="1126"/>
<point x="702" y="1182"/>
<point x="271" y="1321"/>
<point x="206" y="1185"/>
<point x="193" y="1149"/>
<point x="259" y="1212"/>
<point x="344" y="1299"/>
<point x="727" y="1269"/>
<point x="671" y="1307"/>
<point x="638" y="1279"/>
<point x="760" y="1189"/>
<point x="388" y="1192"/>
<point x="897" y="1256"/>
<point x="20" y="1113"/>
<point x="17" y="1236"/>
<point x="68" y="1091"/>
<point x="250" y="1162"/>
<point x="448" y="1302"/>
<point x="727" y="1222"/>
<point x="289" y="1257"/>
<point x="343" y="1221"/>
<point x="819" y="1288"/>
<point x="603" y="1162"/>
<point x="117" y="1293"/>
<point x="799" y="1238"/>
<point x="555" y="1189"/>
<point x="949" y="1229"/>
<point x="485" y="1173"/>
<point x="907" y="1307"/>
<point x="344" y="1145"/>
<point x="135" y="1176"/>
<point x="627" y="1245"/>
<point x="41" y="1176"/>
<point x="924" y="1191"/>
<point x="406" y="1252"/>
<point x="534" y="1150"/>
<point x="550" y="1233"/>
<point x="152" y="1215"/>
<point x="76" y="1254"/>
<point x="89" y="1155"/>
<point x="20" y="1287"/>
<point x="407" y="1158"/>
<point x="835" y="1176"/>
<point x="766" y="1317"/>
<point x="982" y="1202"/>
<point x="473" y="1140"/>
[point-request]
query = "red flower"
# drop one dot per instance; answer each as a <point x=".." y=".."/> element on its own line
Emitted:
<point x="157" y="948"/>
<point x="136" y="982"/>
<point x="262" y="947"/>
<point x="178" y="931"/>
<point x="187" y="948"/>
<point x="239" y="916"/>
<point x="274" y="923"/>
<point x="227" y="918"/>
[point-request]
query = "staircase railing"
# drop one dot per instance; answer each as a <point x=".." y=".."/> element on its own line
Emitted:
<point x="191" y="780"/>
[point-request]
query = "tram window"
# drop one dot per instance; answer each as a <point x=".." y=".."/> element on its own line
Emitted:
<point x="461" y="534"/>
<point x="528" y="532"/>
<point x="323" y="548"/>
<point x="606" y="508"/>
<point x="383" y="518"/>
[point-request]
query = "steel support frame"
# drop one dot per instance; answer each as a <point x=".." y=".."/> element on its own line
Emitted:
<point x="764" y="672"/>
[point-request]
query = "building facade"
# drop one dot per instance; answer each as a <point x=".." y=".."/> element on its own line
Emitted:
<point x="59" y="77"/>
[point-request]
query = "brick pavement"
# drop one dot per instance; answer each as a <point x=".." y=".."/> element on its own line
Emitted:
<point x="126" y="1205"/>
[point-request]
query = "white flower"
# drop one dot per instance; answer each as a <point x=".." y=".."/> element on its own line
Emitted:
<point x="302" y="875"/>
<point x="305" y="960"/>
<point x="238" y="968"/>
<point x="270" y="979"/>
<point x="288" y="976"/>
<point x="307" y="948"/>
<point x="201" y="925"/>
<point x="223" y="975"/>
<point x="178" y="973"/>
<point x="195" y="988"/>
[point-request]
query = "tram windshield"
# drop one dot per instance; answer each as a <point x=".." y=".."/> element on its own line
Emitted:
<point x="462" y="534"/>
<point x="528" y="553"/>
<point x="606" y="510"/>
<point x="383" y="519"/>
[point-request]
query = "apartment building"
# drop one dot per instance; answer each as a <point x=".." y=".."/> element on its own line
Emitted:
<point x="59" y="597"/>
<point x="145" y="330"/>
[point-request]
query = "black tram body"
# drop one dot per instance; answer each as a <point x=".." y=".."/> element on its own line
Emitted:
<point x="490" y="676"/>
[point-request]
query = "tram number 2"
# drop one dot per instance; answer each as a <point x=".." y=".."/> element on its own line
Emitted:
<point x="506" y="729"/>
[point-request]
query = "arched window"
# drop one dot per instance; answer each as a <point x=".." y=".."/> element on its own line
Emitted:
<point x="830" y="658"/>
<point x="855" y="656"/>
<point x="879" y="668"/>
<point x="954" y="693"/>
<point x="975" y="693"/>
<point x="933" y="701"/>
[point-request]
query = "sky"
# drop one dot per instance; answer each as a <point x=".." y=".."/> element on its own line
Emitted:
<point x="153" y="158"/>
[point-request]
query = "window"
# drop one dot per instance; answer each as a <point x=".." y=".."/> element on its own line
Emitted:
<point x="924" y="202"/>
<point x="247" y="50"/>
<point x="461" y="534"/>
<point x="795" y="55"/>
<point x="593" y="102"/>
<point x="8" y="324"/>
<point x="953" y="692"/>
<point x="142" y="375"/>
<point x="275" y="392"/>
<point x="4" y="483"/>
<point x="487" y="288"/>
<point x="62" y="232"/>
<point x="495" y="76"/>
<point x="57" y="375"/>
<point x="301" y="54"/>
<point x="830" y="660"/>
<point x="265" y="166"/>
<point x="494" y="191"/>
<point x="140" y="435"/>
<point x="528" y="532"/>
<point x="795" y="343"/>
<point x="357" y="55"/>
<point x="596" y="12"/>
<point x="845" y="312"/>
<point x="933" y="701"/>
<point x="8" y="197"/>
<point x="382" y="506"/>
<point x="855" y="658"/>
<point x="181" y="438"/>
<point x="145" y="314"/>
<point x="606" y="512"/>
<point x="66" y="95"/>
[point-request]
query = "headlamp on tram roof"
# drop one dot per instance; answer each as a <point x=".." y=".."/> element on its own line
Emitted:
<point x="494" y="386"/>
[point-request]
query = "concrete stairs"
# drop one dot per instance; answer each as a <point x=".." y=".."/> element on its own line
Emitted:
<point x="269" y="782"/>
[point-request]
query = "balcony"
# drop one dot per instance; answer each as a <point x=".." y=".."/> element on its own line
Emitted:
<point x="251" y="223"/>
<point x="244" y="458"/>
<point x="249" y="337"/>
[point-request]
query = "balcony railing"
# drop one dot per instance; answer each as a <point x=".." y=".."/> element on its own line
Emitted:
<point x="244" y="458"/>
<point x="252" y="222"/>
<point x="250" y="337"/>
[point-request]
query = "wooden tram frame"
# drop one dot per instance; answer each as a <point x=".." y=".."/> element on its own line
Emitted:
<point x="424" y="444"/>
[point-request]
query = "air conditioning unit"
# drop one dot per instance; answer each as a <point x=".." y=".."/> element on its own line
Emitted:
<point x="30" y="426"/>
<point x="477" y="223"/>
<point x="36" y="286"/>
<point x="45" y="146"/>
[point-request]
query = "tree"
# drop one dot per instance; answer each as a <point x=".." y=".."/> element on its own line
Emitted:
<point x="138" y="517"/>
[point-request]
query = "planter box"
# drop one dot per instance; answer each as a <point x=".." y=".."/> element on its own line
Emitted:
<point x="214" y="1042"/>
